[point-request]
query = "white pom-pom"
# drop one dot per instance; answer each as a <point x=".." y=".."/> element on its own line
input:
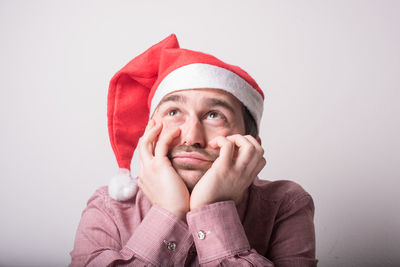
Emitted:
<point x="122" y="186"/>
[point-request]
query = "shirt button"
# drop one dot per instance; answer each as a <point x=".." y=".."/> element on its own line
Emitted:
<point x="170" y="245"/>
<point x="201" y="235"/>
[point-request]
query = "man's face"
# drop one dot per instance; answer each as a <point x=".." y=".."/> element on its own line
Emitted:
<point x="201" y="115"/>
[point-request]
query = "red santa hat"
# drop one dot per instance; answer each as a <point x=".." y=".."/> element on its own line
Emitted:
<point x="136" y="90"/>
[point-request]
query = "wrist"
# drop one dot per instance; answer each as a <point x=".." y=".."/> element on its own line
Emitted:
<point x="179" y="213"/>
<point x="197" y="205"/>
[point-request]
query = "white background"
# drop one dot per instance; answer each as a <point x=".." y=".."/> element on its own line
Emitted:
<point x="331" y="75"/>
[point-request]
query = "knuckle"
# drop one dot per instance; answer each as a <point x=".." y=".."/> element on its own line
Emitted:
<point x="259" y="153"/>
<point x="263" y="162"/>
<point x="250" y="149"/>
<point x="242" y="166"/>
<point x="230" y="144"/>
<point x="250" y="138"/>
<point x="221" y="138"/>
<point x="140" y="141"/>
<point x="237" y="135"/>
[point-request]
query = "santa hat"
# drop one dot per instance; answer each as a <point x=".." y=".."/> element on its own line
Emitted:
<point x="137" y="88"/>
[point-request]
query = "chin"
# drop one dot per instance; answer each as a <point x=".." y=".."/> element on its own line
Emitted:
<point x="190" y="177"/>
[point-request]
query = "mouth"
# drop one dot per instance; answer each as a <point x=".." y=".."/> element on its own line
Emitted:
<point x="191" y="158"/>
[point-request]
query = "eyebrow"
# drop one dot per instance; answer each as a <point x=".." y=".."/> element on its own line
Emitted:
<point x="214" y="102"/>
<point x="172" y="98"/>
<point x="209" y="102"/>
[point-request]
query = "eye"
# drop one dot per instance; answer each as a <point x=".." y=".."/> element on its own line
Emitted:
<point x="213" y="115"/>
<point x="172" y="112"/>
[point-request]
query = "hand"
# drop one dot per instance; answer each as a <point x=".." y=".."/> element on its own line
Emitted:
<point x="239" y="162"/>
<point x="157" y="178"/>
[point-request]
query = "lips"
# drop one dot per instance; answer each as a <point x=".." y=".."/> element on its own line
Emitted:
<point x="188" y="157"/>
<point x="191" y="158"/>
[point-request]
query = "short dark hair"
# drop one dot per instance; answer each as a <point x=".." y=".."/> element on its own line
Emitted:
<point x="249" y="123"/>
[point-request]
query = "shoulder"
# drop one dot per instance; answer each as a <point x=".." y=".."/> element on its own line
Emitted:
<point x="273" y="190"/>
<point x="101" y="200"/>
<point x="100" y="196"/>
<point x="287" y="194"/>
<point x="101" y="192"/>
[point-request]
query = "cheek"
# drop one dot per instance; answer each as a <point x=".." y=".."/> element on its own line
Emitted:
<point x="168" y="126"/>
<point x="212" y="132"/>
<point x="171" y="122"/>
<point x="168" y="123"/>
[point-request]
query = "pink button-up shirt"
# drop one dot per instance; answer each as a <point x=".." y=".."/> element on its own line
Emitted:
<point x="272" y="226"/>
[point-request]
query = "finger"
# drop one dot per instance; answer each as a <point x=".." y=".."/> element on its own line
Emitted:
<point x="152" y="130"/>
<point x="164" y="141"/>
<point x="146" y="142"/>
<point x="227" y="149"/>
<point x="150" y="124"/>
<point x="256" y="144"/>
<point x="246" y="150"/>
<point x="260" y="151"/>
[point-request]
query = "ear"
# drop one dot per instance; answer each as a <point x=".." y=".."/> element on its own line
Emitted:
<point x="258" y="140"/>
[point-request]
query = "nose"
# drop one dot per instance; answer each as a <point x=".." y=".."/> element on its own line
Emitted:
<point x="192" y="132"/>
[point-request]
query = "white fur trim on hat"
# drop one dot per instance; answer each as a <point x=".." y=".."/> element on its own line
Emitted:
<point x="122" y="186"/>
<point x="199" y="75"/>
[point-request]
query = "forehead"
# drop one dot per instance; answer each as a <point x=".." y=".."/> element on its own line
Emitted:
<point x="202" y="96"/>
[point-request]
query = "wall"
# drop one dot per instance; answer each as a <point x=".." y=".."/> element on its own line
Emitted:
<point x="330" y="71"/>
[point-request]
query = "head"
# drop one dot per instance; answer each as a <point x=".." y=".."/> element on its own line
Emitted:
<point x="164" y="75"/>
<point x="201" y="115"/>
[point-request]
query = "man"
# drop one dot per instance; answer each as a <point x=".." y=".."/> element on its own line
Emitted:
<point x="199" y="200"/>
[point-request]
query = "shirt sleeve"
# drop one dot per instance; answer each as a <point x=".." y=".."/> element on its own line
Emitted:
<point x="220" y="238"/>
<point x="161" y="239"/>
